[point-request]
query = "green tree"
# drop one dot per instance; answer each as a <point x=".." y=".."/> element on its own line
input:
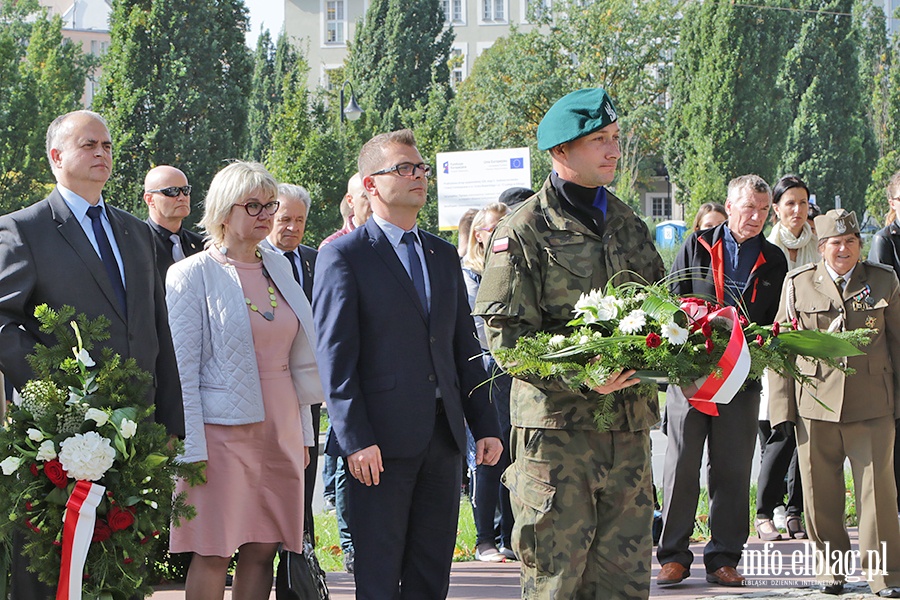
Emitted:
<point x="830" y="142"/>
<point x="399" y="50"/>
<point x="175" y="90"/>
<point x="625" y="47"/>
<point x="728" y="117"/>
<point x="885" y="109"/>
<point x="42" y="76"/>
<point x="307" y="151"/>
<point x="507" y="93"/>
<point x="272" y="63"/>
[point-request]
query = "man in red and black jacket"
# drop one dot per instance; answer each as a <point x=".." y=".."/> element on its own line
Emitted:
<point x="732" y="265"/>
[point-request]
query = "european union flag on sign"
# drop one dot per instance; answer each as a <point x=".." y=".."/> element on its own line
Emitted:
<point x="517" y="163"/>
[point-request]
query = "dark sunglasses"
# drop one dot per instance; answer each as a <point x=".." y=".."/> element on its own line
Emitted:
<point x="172" y="191"/>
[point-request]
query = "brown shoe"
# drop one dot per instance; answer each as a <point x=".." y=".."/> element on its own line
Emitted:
<point x="726" y="576"/>
<point x="672" y="573"/>
<point x="765" y="529"/>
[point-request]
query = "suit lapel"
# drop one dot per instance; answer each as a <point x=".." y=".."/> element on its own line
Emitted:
<point x="857" y="282"/>
<point x="307" y="272"/>
<point x="71" y="231"/>
<point x="826" y="286"/>
<point x="437" y="282"/>
<point x="386" y="252"/>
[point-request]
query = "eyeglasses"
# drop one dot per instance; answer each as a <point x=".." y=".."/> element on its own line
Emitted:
<point x="172" y="191"/>
<point x="487" y="229"/>
<point x="406" y="169"/>
<point x="254" y="208"/>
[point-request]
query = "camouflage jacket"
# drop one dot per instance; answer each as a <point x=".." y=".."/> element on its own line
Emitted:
<point x="540" y="262"/>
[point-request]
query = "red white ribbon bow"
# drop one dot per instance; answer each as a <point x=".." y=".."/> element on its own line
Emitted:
<point x="735" y="363"/>
<point x="81" y="514"/>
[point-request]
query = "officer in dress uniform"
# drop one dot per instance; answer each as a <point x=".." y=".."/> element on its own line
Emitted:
<point x="839" y="416"/>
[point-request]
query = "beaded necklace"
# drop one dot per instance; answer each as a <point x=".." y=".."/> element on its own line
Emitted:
<point x="268" y="315"/>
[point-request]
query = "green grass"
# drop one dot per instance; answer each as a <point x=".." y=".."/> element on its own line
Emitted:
<point x="328" y="549"/>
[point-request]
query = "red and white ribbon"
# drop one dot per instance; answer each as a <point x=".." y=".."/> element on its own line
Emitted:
<point x="735" y="366"/>
<point x="81" y="514"/>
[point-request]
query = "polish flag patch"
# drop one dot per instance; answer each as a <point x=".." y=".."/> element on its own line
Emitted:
<point x="500" y="245"/>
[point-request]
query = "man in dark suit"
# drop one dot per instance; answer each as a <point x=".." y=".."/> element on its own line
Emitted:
<point x="168" y="197"/>
<point x="395" y="343"/>
<point x="72" y="248"/>
<point x="286" y="235"/>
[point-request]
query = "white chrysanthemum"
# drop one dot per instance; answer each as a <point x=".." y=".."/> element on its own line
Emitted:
<point x="584" y="339"/>
<point x="35" y="435"/>
<point x="10" y="464"/>
<point x="46" y="451"/>
<point x="674" y="333"/>
<point x="128" y="428"/>
<point x="608" y="308"/>
<point x="86" y="456"/>
<point x="98" y="416"/>
<point x="557" y="340"/>
<point x="633" y="322"/>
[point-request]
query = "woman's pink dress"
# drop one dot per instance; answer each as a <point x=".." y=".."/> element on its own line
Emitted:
<point x="254" y="489"/>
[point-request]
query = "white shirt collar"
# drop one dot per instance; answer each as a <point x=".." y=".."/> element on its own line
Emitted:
<point x="78" y="205"/>
<point x="393" y="232"/>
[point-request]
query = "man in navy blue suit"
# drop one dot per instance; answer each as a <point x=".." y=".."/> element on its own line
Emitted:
<point x="395" y="343"/>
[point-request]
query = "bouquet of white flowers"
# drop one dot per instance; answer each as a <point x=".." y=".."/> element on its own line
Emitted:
<point x="667" y="339"/>
<point x="82" y="460"/>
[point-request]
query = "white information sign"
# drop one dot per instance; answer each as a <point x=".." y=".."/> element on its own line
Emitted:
<point x="472" y="179"/>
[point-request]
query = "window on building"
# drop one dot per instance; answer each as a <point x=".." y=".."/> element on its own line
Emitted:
<point x="453" y="11"/>
<point x="334" y="21"/>
<point x="661" y="207"/>
<point x="493" y="11"/>
<point x="535" y="9"/>
<point x="457" y="64"/>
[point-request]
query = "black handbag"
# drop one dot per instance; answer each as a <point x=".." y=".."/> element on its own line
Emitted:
<point x="299" y="576"/>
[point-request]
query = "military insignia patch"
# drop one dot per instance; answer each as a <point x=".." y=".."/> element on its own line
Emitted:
<point x="500" y="245"/>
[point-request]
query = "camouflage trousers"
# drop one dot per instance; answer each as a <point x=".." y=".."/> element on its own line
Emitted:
<point x="583" y="509"/>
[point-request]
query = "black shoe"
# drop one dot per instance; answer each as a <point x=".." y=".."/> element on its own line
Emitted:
<point x="889" y="592"/>
<point x="348" y="561"/>
<point x="835" y="589"/>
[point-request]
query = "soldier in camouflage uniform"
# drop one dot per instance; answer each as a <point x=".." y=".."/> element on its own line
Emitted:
<point x="582" y="498"/>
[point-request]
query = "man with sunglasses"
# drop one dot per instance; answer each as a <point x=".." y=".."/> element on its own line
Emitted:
<point x="395" y="349"/>
<point x="168" y="197"/>
<point x="73" y="248"/>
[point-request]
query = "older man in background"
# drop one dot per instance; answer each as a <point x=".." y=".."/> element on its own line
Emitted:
<point x="286" y="235"/>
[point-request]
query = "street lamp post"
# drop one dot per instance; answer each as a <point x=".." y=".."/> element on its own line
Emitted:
<point x="351" y="111"/>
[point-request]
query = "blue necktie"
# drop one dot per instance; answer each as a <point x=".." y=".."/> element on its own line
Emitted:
<point x="415" y="267"/>
<point x="107" y="256"/>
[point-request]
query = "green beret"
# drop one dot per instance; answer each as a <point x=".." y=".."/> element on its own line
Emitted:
<point x="836" y="222"/>
<point x="575" y="115"/>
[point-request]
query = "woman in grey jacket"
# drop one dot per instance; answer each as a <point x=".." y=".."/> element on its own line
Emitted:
<point x="244" y="340"/>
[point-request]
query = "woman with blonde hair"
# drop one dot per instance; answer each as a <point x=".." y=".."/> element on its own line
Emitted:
<point x="487" y="492"/>
<point x="244" y="340"/>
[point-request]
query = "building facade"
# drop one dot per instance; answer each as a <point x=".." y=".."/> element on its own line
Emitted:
<point x="85" y="22"/>
<point x="325" y="26"/>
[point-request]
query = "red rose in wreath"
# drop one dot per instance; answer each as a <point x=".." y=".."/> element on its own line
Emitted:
<point x="101" y="531"/>
<point x="119" y="518"/>
<point x="54" y="471"/>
